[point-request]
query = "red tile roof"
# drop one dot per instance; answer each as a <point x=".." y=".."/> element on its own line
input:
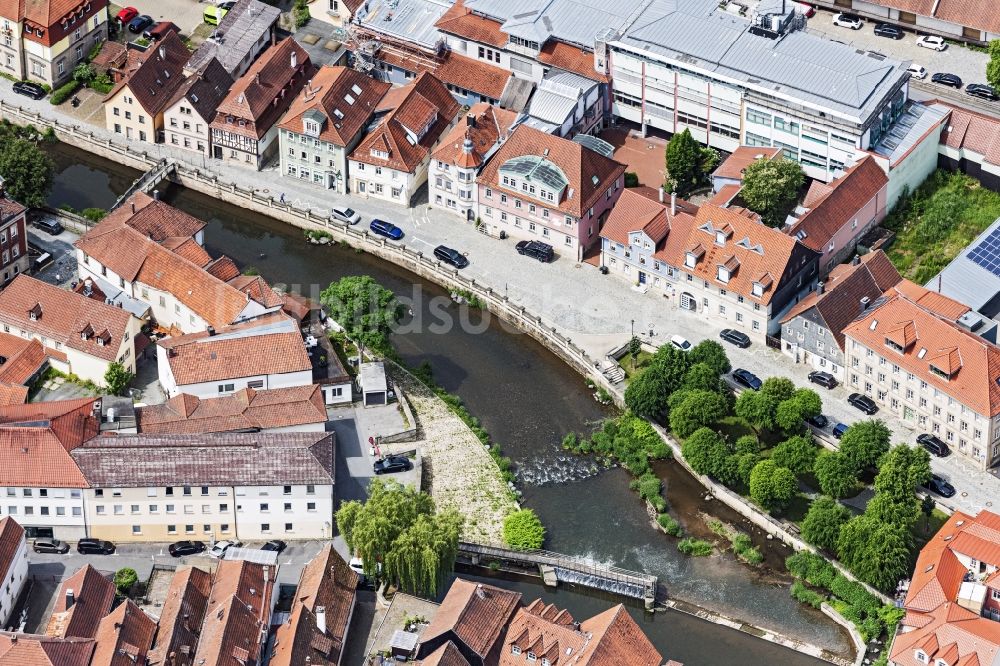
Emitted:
<point x="732" y="167"/>
<point x="267" y="89"/>
<point x="581" y="166"/>
<point x="845" y="197"/>
<point x="56" y="18"/>
<point x="244" y="410"/>
<point x="21" y="359"/>
<point x="124" y="637"/>
<point x="460" y="21"/>
<point x="425" y="99"/>
<point x="181" y="618"/>
<point x="978" y="14"/>
<point x="9" y="208"/>
<point x="972" y="131"/>
<point x="446" y="655"/>
<point x="483" y="126"/>
<point x="325" y="595"/>
<point x="571" y="59"/>
<point x="154" y="82"/>
<point x="474" y="613"/>
<point x="239" y="610"/>
<point x="973" y="362"/>
<point x="64" y="316"/>
<point x="35" y="440"/>
<point x="328" y="94"/>
<point x="11" y="538"/>
<point x="196" y="360"/>
<point x="93" y="595"/>
<point x="18" y="649"/>
<point x="844" y="287"/>
<point x="635" y="212"/>
<point x="954" y="634"/>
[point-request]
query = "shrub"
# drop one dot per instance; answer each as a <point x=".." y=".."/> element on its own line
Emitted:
<point x="102" y="83"/>
<point x="64" y="92"/>
<point x="694" y="547"/>
<point x="649" y="486"/>
<point x="94" y="214"/>
<point x="631" y="179"/>
<point x="670" y="526"/>
<point x="805" y="595"/>
<point x="125" y="578"/>
<point x="522" y="530"/>
<point x="745" y="550"/>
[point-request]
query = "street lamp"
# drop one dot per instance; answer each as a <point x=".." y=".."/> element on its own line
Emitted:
<point x="633" y="330"/>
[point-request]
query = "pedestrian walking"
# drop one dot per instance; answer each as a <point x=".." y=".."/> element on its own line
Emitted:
<point x="282" y="198"/>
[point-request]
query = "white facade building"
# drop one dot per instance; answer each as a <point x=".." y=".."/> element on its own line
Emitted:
<point x="13" y="567"/>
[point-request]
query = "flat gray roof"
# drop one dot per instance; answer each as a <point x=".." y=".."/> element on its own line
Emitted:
<point x="799" y="64"/>
<point x="373" y="377"/>
<point x="969" y="282"/>
<point x="410" y="20"/>
<point x="908" y="129"/>
<point x="238" y="31"/>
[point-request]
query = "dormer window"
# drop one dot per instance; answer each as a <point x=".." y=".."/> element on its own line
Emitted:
<point x="940" y="373"/>
<point x="940" y="662"/>
<point x="723" y="274"/>
<point x="381" y="154"/>
<point x="757" y="289"/>
<point x="35" y="313"/>
<point x="311" y="127"/>
<point x="720" y="238"/>
<point x="892" y="344"/>
<point x="532" y="657"/>
<point x="921" y="656"/>
<point x="690" y="260"/>
<point x="515" y="649"/>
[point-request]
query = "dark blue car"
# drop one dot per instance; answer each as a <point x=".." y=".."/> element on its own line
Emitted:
<point x="140" y="23"/>
<point x="387" y="229"/>
<point x="747" y="379"/>
<point x="839" y="430"/>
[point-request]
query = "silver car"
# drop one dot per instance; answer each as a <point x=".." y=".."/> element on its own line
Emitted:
<point x="345" y="214"/>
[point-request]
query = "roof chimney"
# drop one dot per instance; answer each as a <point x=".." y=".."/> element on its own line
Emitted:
<point x="820" y="287"/>
<point x="156" y="195"/>
<point x="470" y="120"/>
<point x="133" y="206"/>
<point x="256" y="77"/>
<point x="70" y="598"/>
<point x="673" y="203"/>
<point x="661" y="195"/>
<point x="321" y="618"/>
<point x="294" y="59"/>
<point x="865" y="301"/>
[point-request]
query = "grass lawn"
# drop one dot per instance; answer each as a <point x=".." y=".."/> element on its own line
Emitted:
<point x="921" y="535"/>
<point x="796" y="509"/>
<point x="733" y="427"/>
<point x="933" y="225"/>
<point x="641" y="362"/>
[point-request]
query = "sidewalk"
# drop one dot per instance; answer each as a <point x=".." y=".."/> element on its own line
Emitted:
<point x="597" y="311"/>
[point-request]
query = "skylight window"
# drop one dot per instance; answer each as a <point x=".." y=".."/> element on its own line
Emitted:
<point x="356" y="90"/>
<point x="338" y="113"/>
<point x="873" y="325"/>
<point x="349" y="99"/>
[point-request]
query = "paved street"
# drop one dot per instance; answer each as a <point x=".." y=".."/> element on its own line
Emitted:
<point x="596" y="311"/>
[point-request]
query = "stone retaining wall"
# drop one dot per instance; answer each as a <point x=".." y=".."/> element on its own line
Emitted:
<point x="860" y="647"/>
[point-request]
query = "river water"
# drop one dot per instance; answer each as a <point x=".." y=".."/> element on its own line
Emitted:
<point x="527" y="399"/>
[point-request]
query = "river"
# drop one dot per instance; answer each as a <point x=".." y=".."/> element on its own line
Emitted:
<point x="527" y="399"/>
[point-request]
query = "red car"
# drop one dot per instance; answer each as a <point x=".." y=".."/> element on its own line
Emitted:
<point x="127" y="14"/>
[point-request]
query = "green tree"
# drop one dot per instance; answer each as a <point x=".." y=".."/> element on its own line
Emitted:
<point x="877" y="553"/>
<point x="835" y="473"/>
<point x="397" y="526"/>
<point x="701" y="377"/>
<point x="771" y="187"/>
<point x="683" y="162"/>
<point x="792" y="413"/>
<point x="927" y="505"/>
<point x="757" y="409"/>
<point x="797" y="453"/>
<point x="745" y="462"/>
<point x="865" y="442"/>
<point x="821" y="526"/>
<point x="522" y="530"/>
<point x="647" y="394"/>
<point x="772" y="487"/>
<point x="117" y="378"/>
<point x="711" y="354"/>
<point x="366" y="310"/>
<point x="699" y="409"/>
<point x="747" y="444"/>
<point x="993" y="66"/>
<point x="26" y="171"/>
<point x="125" y="579"/>
<point x="84" y="73"/>
<point x="901" y="471"/>
<point x="778" y="388"/>
<point x="634" y="347"/>
<point x="705" y="451"/>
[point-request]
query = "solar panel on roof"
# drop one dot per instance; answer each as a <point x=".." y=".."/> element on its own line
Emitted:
<point x="987" y="253"/>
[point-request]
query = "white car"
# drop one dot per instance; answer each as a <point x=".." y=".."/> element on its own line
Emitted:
<point x="345" y="214"/>
<point x="357" y="565"/>
<point x="932" y="42"/>
<point x="917" y="71"/>
<point x="218" y="551"/>
<point x="680" y="342"/>
<point x="848" y="21"/>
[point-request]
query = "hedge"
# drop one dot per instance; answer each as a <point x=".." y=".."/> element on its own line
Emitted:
<point x="62" y="93"/>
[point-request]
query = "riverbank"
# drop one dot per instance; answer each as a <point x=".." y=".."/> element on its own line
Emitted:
<point x="597" y="516"/>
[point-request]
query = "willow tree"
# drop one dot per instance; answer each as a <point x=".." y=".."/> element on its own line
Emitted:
<point x="397" y="528"/>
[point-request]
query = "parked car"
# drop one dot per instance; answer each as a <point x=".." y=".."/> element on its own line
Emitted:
<point x="537" y="249"/>
<point x="345" y="214"/>
<point x="738" y="338"/>
<point x="818" y="421"/>
<point x="852" y="21"/>
<point x="863" y="402"/>
<point x="276" y="545"/>
<point x="932" y="42"/>
<point x="126" y="14"/>
<point x="51" y="227"/>
<point x="212" y="15"/>
<point x="88" y="546"/>
<point x="218" y="551"/>
<point x="888" y="30"/>
<point x="387" y="229"/>
<point x="946" y="79"/>
<point x="839" y="430"/>
<point x="933" y="444"/>
<point x="917" y="71"/>
<point x="451" y="256"/>
<point x="140" y="23"/>
<point x="680" y="342"/>
<point x="159" y="30"/>
<point x="747" y="378"/>
<point x="182" y="548"/>
<point x="392" y="464"/>
<point x="824" y="379"/>
<point x="51" y="546"/>
<point x="806" y="10"/>
<point x="357" y="566"/>
<point x="982" y="91"/>
<point x="29" y="89"/>
<point x="938" y="485"/>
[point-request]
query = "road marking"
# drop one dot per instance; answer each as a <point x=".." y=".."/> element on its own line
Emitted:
<point x="421" y="240"/>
